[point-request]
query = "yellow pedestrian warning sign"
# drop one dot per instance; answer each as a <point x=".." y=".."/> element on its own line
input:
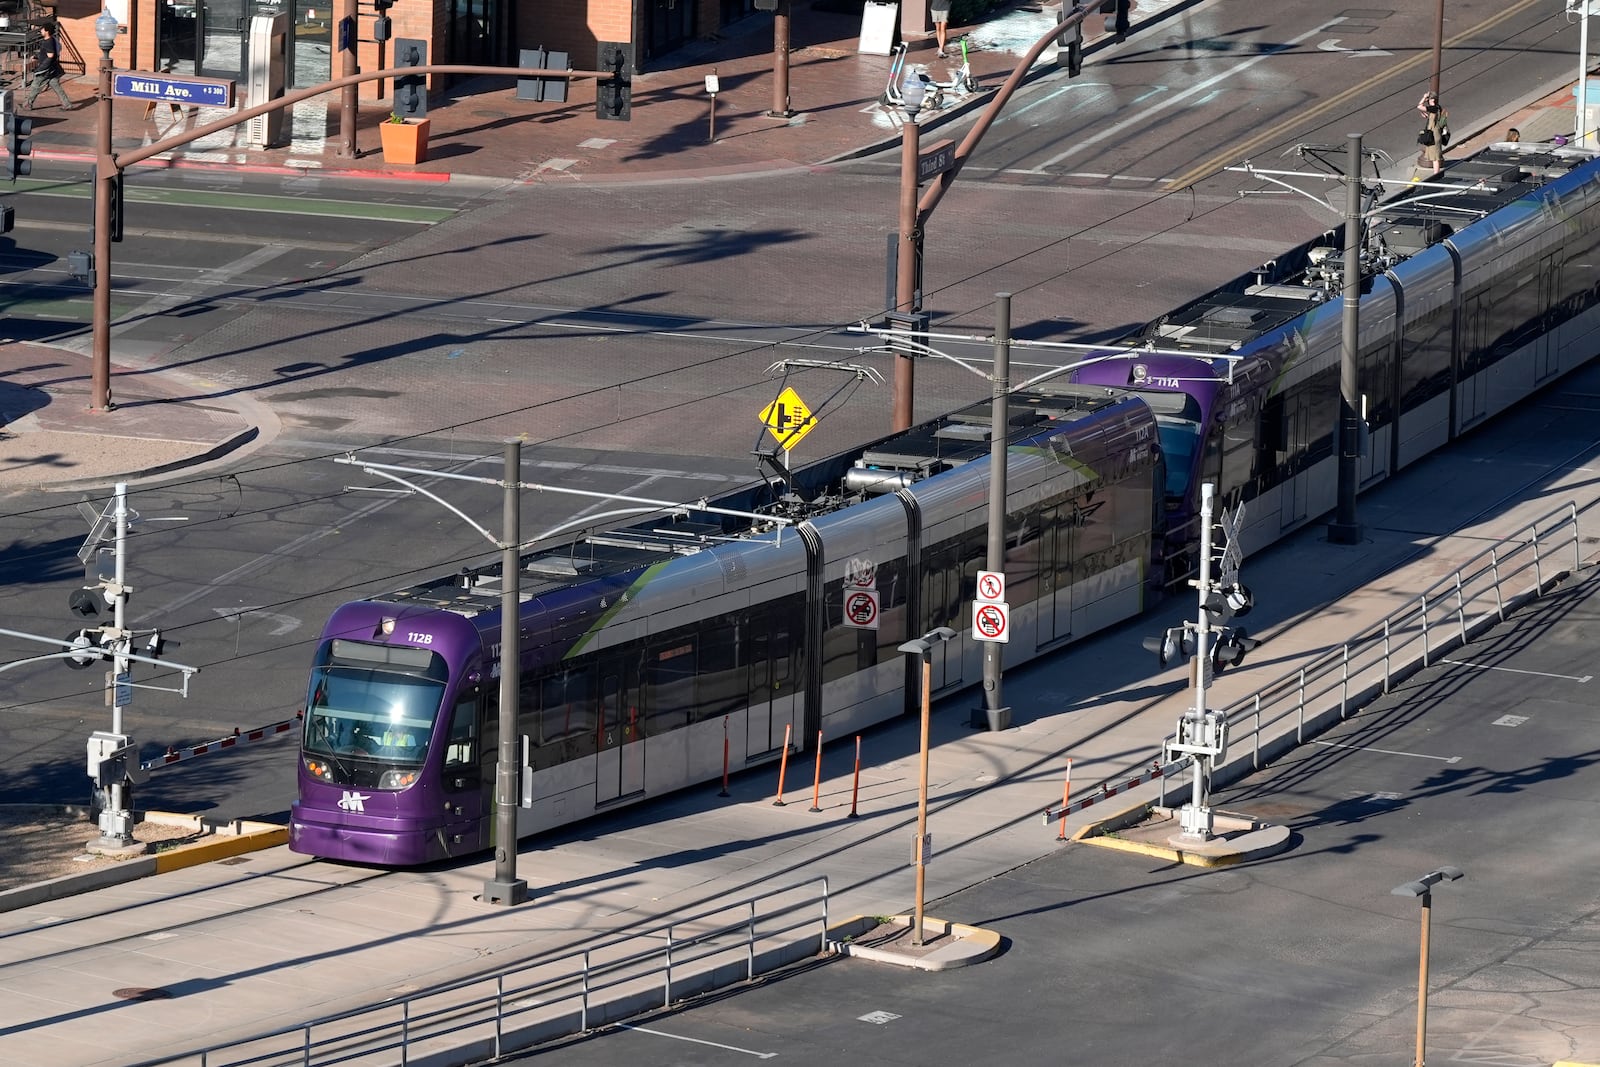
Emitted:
<point x="788" y="419"/>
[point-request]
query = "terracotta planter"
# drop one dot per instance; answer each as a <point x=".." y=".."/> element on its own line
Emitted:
<point x="406" y="141"/>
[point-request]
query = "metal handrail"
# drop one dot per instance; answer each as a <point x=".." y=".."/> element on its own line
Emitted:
<point x="1440" y="618"/>
<point x="452" y="1009"/>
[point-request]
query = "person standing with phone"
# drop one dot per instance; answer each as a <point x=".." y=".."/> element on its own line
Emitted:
<point x="1435" y="135"/>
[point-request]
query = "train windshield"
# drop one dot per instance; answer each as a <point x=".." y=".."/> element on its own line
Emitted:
<point x="374" y="702"/>
<point x="1178" y="427"/>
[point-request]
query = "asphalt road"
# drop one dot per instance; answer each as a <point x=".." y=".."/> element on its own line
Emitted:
<point x="1487" y="762"/>
<point x="628" y="334"/>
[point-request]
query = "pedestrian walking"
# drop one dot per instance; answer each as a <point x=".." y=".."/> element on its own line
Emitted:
<point x="47" y="68"/>
<point x="939" y="11"/>
<point x="1435" y="135"/>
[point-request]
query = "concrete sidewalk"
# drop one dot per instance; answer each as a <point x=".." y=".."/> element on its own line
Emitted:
<point x="479" y="130"/>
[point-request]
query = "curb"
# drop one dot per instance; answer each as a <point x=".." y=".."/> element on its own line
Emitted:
<point x="224" y="842"/>
<point x="969" y="945"/>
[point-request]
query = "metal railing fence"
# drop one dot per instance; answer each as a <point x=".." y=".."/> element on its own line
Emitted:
<point x="1427" y="627"/>
<point x="493" y="1015"/>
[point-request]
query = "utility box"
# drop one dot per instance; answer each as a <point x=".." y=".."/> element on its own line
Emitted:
<point x="105" y="749"/>
<point x="264" y="76"/>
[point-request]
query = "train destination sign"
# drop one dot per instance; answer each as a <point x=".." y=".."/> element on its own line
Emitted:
<point x="196" y="92"/>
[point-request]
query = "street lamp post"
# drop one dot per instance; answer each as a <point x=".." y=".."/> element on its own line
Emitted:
<point x="922" y="647"/>
<point x="1423" y="888"/>
<point x="105" y="176"/>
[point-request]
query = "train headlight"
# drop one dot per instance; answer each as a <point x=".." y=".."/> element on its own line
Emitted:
<point x="396" y="780"/>
<point x="318" y="769"/>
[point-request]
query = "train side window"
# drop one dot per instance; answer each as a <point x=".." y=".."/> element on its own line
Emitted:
<point x="462" y="748"/>
<point x="670" y="669"/>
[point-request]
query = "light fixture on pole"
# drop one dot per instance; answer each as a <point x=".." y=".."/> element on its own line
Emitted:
<point x="105" y="176"/>
<point x="1423" y="888"/>
<point x="922" y="648"/>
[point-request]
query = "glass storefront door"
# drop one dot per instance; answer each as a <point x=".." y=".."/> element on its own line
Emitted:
<point x="207" y="38"/>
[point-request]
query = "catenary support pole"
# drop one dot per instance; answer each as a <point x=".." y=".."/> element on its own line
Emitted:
<point x="905" y="289"/>
<point x="1345" y="529"/>
<point x="506" y="888"/>
<point x="995" y="714"/>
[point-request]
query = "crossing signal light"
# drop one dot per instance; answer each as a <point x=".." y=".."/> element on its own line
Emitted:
<point x="18" y="147"/>
<point x="1229" y="602"/>
<point x="1177" y="642"/>
<point x="8" y="218"/>
<point x="1228" y="647"/>
<point x="613" y="98"/>
<point x="85" y="649"/>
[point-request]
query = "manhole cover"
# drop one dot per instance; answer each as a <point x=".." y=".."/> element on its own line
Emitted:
<point x="141" y="993"/>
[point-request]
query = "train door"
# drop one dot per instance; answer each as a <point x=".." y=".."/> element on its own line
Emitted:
<point x="941" y="583"/>
<point x="1055" y="575"/>
<point x="1547" y="347"/>
<point x="1295" y="490"/>
<point x="619" y="741"/>
<point x="1472" y="385"/>
<point x="468" y="797"/>
<point x="771" y="691"/>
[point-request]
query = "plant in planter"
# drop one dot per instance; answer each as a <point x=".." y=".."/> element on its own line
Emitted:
<point x="404" y="140"/>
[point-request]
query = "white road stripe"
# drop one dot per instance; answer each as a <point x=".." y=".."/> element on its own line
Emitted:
<point x="1387" y="751"/>
<point x="697" y="1041"/>
<point x="1580" y="679"/>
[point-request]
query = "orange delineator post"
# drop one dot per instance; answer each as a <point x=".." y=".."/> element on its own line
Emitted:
<point x="855" y="787"/>
<point x="1066" y="796"/>
<point x="816" y="786"/>
<point x="783" y="765"/>
<point x="724" y="757"/>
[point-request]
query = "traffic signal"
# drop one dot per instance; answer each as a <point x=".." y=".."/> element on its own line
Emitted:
<point x="613" y="98"/>
<point x="1119" y="20"/>
<point x="1071" y="50"/>
<point x="8" y="218"/>
<point x="548" y="90"/>
<point x="410" y="90"/>
<point x="18" y="147"/>
<point x="116" y="207"/>
<point x="116" y="203"/>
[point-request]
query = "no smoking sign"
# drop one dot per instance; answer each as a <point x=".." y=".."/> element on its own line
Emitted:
<point x="991" y="622"/>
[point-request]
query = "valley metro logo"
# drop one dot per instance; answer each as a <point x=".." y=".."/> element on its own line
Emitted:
<point x="354" y="801"/>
